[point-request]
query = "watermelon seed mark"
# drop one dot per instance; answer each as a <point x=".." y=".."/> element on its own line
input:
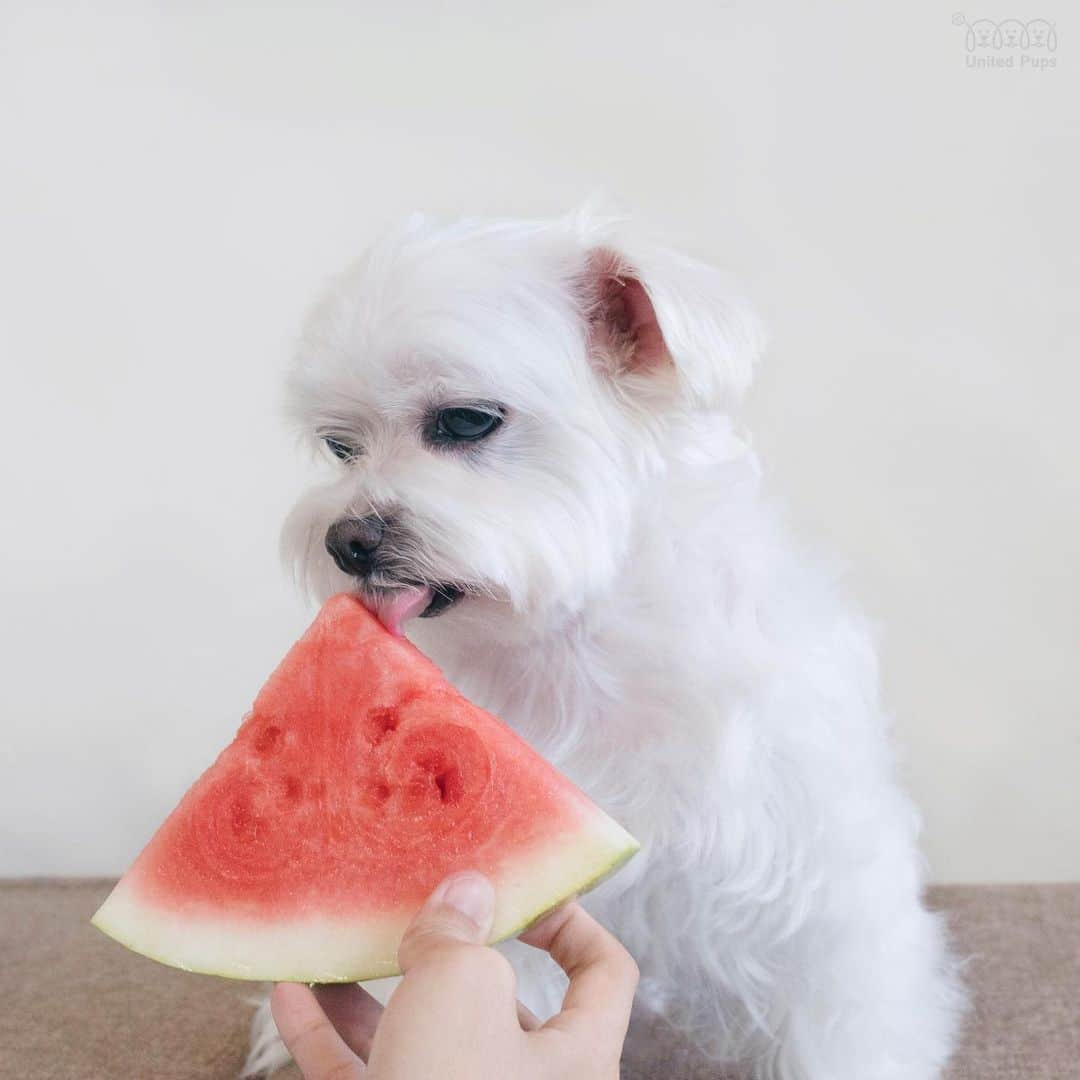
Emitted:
<point x="268" y="741"/>
<point x="382" y="791"/>
<point x="450" y="784"/>
<point x="294" y="789"/>
<point x="385" y="722"/>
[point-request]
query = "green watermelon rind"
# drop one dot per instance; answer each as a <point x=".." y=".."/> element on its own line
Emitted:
<point x="125" y="928"/>
<point x="614" y="867"/>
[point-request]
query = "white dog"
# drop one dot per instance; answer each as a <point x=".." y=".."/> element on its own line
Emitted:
<point x="532" y="421"/>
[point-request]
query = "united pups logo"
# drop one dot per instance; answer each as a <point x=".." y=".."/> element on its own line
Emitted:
<point x="1010" y="43"/>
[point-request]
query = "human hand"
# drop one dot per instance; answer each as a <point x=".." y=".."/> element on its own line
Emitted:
<point x="455" y="1015"/>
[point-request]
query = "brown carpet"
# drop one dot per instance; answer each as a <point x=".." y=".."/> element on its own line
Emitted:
<point x="76" y="1006"/>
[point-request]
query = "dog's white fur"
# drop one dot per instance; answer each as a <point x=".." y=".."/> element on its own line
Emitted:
<point x="639" y="615"/>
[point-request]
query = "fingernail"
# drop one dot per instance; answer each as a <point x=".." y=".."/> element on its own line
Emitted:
<point x="471" y="894"/>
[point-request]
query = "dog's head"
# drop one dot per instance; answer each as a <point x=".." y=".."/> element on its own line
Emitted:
<point x="1012" y="32"/>
<point x="494" y="402"/>
<point x="983" y="33"/>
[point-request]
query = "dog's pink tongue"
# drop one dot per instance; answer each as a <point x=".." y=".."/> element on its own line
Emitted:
<point x="392" y="609"/>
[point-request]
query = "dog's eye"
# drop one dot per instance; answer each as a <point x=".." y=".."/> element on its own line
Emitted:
<point x="342" y="450"/>
<point x="465" y="424"/>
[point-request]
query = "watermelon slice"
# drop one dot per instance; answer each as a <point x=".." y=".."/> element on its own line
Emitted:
<point x="358" y="781"/>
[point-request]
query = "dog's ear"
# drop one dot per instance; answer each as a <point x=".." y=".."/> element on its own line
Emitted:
<point x="660" y="317"/>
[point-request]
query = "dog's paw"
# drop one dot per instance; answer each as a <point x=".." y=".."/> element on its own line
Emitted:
<point x="266" y="1052"/>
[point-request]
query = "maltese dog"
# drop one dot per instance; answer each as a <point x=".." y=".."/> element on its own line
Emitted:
<point x="535" y="475"/>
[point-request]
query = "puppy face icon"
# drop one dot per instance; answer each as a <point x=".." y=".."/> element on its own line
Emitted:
<point x="982" y="34"/>
<point x="1041" y="34"/>
<point x="1013" y="34"/>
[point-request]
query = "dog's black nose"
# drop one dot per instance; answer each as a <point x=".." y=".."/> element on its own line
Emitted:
<point x="352" y="543"/>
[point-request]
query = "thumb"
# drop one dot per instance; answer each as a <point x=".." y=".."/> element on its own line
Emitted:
<point x="459" y="912"/>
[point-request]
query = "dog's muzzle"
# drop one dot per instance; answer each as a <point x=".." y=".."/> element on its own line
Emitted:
<point x="354" y="545"/>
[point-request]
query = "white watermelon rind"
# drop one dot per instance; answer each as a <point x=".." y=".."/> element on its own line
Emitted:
<point x="328" y="951"/>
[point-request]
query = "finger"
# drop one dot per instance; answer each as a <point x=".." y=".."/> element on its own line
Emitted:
<point x="528" y="1020"/>
<point x="458" y="914"/>
<point x="310" y="1037"/>
<point x="603" y="975"/>
<point x="353" y="1012"/>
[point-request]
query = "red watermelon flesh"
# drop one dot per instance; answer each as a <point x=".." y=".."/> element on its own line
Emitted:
<point x="359" y="780"/>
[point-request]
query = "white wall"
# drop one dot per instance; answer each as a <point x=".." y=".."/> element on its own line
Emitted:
<point x="175" y="181"/>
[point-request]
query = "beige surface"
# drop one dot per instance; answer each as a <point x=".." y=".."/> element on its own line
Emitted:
<point x="174" y="185"/>
<point x="75" y="1006"/>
